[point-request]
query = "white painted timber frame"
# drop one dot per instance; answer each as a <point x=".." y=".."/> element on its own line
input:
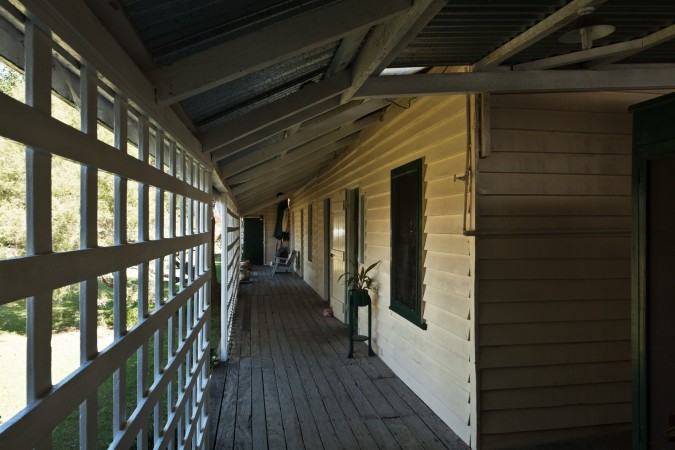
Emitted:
<point x="176" y="330"/>
<point x="231" y="242"/>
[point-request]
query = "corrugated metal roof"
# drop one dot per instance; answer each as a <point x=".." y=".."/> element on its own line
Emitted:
<point x="257" y="89"/>
<point x="174" y="29"/>
<point x="465" y="31"/>
<point x="632" y="20"/>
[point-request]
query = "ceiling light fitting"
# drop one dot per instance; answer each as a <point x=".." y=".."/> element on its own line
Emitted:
<point x="586" y="30"/>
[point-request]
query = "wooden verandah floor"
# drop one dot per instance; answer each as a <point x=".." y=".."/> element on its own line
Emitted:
<point x="289" y="384"/>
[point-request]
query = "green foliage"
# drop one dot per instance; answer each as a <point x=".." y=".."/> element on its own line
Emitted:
<point x="12" y="199"/>
<point x="9" y="79"/>
<point x="358" y="278"/>
<point x="65" y="309"/>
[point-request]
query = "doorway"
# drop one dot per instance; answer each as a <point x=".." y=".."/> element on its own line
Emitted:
<point x="653" y="280"/>
<point x="338" y="249"/>
<point x="254" y="240"/>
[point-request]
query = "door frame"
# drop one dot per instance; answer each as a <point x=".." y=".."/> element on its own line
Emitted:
<point x="639" y="303"/>
<point x="339" y="196"/>
<point x="352" y="225"/>
<point x="326" y="248"/>
<point x="264" y="245"/>
<point x="653" y="138"/>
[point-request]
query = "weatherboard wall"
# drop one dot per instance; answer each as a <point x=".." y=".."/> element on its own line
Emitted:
<point x="553" y="269"/>
<point x="436" y="363"/>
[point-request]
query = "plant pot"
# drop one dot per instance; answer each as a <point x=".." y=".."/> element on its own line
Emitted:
<point x="244" y="274"/>
<point x="359" y="297"/>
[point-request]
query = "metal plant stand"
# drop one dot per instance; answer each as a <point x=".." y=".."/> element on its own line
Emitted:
<point x="353" y="318"/>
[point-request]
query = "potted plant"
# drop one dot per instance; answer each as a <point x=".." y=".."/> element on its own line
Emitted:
<point x="358" y="282"/>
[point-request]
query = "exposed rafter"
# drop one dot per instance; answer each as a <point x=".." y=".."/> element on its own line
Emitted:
<point x="647" y="42"/>
<point x="303" y="136"/>
<point x="259" y="136"/>
<point x="285" y="184"/>
<point x="387" y="39"/>
<point x="267" y="153"/>
<point x="254" y="51"/>
<point x="345" y="52"/>
<point x="532" y="81"/>
<point x="608" y="53"/>
<point x="297" y="155"/>
<point x="301" y="170"/>
<point x="263" y="198"/>
<point x="117" y="24"/>
<point x="279" y="110"/>
<point x="552" y="23"/>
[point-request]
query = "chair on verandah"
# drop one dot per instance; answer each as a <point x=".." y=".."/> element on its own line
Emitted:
<point x="284" y="264"/>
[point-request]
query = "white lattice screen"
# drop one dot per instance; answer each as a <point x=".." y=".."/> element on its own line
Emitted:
<point x="170" y="341"/>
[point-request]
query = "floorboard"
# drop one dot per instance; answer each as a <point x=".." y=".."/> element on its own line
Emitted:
<point x="287" y="382"/>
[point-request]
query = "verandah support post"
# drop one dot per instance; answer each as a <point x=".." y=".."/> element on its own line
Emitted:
<point x="224" y="276"/>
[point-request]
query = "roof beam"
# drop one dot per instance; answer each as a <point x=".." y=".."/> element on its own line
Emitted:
<point x="258" y="207"/>
<point x="526" y="81"/>
<point x="301" y="170"/>
<point x="345" y="52"/>
<point x="552" y="23"/>
<point x="282" y="40"/>
<point x="387" y="40"/>
<point x="304" y="136"/>
<point x="259" y="136"/>
<point x="279" y="110"/>
<point x="265" y="154"/>
<point x="263" y="198"/>
<point x="283" y="184"/>
<point x="307" y="150"/>
<point x="316" y="159"/>
<point x="648" y="42"/>
<point x="610" y="53"/>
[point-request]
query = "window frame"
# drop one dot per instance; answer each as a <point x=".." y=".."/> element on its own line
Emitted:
<point x="310" y="233"/>
<point x="362" y="228"/>
<point x="413" y="315"/>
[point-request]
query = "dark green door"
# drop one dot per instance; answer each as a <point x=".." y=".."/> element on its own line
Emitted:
<point x="654" y="275"/>
<point x="254" y="241"/>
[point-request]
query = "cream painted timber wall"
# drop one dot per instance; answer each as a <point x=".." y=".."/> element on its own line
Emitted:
<point x="437" y="363"/>
<point x="553" y="270"/>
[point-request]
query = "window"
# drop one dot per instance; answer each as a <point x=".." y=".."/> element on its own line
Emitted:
<point x="406" y="241"/>
<point x="310" y="233"/>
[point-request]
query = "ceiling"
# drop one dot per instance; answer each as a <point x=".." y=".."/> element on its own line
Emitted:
<point x="275" y="90"/>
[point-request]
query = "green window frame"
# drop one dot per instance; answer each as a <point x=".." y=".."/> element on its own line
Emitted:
<point x="362" y="229"/>
<point x="310" y="231"/>
<point x="407" y="200"/>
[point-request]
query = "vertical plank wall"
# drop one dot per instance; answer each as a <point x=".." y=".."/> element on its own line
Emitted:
<point x="553" y="269"/>
<point x="436" y="363"/>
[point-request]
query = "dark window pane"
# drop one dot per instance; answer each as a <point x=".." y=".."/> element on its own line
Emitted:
<point x="405" y="232"/>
